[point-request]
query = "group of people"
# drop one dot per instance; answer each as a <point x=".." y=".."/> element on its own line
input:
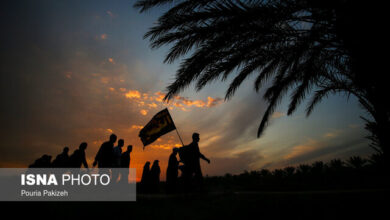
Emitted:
<point x="189" y="165"/>
<point x="110" y="156"/>
<point x="150" y="180"/>
<point x="63" y="160"/>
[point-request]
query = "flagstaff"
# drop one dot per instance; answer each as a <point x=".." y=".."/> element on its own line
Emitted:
<point x="179" y="137"/>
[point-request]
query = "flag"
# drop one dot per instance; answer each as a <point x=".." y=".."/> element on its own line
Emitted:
<point x="160" y="124"/>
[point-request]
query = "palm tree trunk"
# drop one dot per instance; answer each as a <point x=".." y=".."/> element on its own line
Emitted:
<point x="364" y="43"/>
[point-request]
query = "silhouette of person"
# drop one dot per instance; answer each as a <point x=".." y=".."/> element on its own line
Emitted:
<point x="192" y="163"/>
<point x="172" y="171"/>
<point x="155" y="176"/>
<point x="77" y="159"/>
<point x="117" y="153"/>
<point x="42" y="162"/>
<point x="145" y="180"/>
<point x="105" y="155"/>
<point x="125" y="164"/>
<point x="62" y="159"/>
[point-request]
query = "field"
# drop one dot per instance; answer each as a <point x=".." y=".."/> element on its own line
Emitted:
<point x="347" y="204"/>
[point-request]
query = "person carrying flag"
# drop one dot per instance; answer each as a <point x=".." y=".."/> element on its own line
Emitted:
<point x="192" y="161"/>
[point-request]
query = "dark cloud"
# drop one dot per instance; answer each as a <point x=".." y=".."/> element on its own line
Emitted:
<point x="327" y="150"/>
<point x="54" y="81"/>
<point x="234" y="165"/>
<point x="235" y="124"/>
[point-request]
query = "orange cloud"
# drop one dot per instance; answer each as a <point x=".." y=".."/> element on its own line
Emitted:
<point x="103" y="36"/>
<point x="211" y="102"/>
<point x="111" y="60"/>
<point x="143" y="112"/>
<point x="95" y="74"/>
<point x="159" y="96"/>
<point x="329" y="135"/>
<point x="298" y="150"/>
<point x="68" y="75"/>
<point x="332" y="134"/>
<point x="165" y="146"/>
<point x="104" y="80"/>
<point x="152" y="105"/>
<point x="133" y="94"/>
<point x="276" y="115"/>
<point x="179" y="105"/>
<point x="137" y="127"/>
<point x="197" y="103"/>
<point x="181" y="102"/>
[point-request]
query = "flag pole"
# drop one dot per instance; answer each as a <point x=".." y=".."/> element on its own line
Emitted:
<point x="179" y="137"/>
<point x="177" y="132"/>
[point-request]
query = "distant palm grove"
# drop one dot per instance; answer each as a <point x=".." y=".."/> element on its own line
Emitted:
<point x="354" y="173"/>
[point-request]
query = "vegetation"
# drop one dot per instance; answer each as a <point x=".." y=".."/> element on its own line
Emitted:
<point x="354" y="173"/>
<point x="299" y="46"/>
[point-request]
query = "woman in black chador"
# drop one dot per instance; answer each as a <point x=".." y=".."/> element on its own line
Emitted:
<point x="155" y="177"/>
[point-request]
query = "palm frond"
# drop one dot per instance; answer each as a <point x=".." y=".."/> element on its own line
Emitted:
<point x="145" y="5"/>
<point x="291" y="45"/>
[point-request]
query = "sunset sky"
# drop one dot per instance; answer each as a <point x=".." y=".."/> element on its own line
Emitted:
<point x="74" y="71"/>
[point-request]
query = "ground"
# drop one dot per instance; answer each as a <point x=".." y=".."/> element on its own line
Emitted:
<point x="347" y="204"/>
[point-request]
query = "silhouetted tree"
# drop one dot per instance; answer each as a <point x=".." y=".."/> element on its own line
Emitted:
<point x="376" y="161"/>
<point x="303" y="169"/>
<point x="336" y="174"/>
<point x="289" y="171"/>
<point x="265" y="172"/>
<point x="300" y="46"/>
<point x="356" y="162"/>
<point x="317" y="167"/>
<point x="278" y="174"/>
<point x="336" y="164"/>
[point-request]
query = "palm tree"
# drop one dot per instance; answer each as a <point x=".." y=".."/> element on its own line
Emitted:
<point x="289" y="171"/>
<point x="299" y="46"/>
<point x="265" y="173"/>
<point x="303" y="169"/>
<point x="356" y="162"/>
<point x="336" y="165"/>
<point x="317" y="168"/>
